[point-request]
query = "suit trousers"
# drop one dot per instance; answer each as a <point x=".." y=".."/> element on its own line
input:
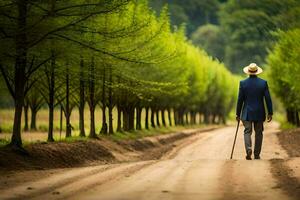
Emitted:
<point x="258" y="129"/>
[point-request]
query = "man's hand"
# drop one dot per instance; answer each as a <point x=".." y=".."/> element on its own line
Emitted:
<point x="237" y="118"/>
<point x="269" y="118"/>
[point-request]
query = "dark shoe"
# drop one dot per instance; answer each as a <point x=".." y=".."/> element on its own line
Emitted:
<point x="249" y="152"/>
<point x="257" y="157"/>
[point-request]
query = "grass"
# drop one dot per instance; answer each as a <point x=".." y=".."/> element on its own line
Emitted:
<point x="4" y="142"/>
<point x="71" y="139"/>
<point x="146" y="133"/>
<point x="6" y="127"/>
<point x="284" y="125"/>
<point x="117" y="136"/>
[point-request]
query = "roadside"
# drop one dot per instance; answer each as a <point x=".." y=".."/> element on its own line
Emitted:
<point x="40" y="136"/>
<point x="104" y="150"/>
<point x="287" y="171"/>
<point x="290" y="141"/>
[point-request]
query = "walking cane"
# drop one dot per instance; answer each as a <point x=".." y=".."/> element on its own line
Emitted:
<point x="237" y="129"/>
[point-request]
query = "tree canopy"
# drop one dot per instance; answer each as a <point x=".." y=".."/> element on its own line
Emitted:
<point x="284" y="72"/>
<point x="249" y="26"/>
<point x="116" y="54"/>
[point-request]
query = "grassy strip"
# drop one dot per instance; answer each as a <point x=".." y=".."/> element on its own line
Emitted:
<point x="137" y="134"/>
<point x="117" y="136"/>
<point x="4" y="142"/>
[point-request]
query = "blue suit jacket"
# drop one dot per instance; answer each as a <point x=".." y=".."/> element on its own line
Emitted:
<point x="252" y="93"/>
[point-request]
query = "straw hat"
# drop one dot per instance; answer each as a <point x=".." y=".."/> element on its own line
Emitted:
<point x="252" y="69"/>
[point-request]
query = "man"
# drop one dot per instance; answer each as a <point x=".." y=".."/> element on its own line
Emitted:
<point x="252" y="93"/>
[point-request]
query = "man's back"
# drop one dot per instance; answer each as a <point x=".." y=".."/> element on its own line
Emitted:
<point x="252" y="92"/>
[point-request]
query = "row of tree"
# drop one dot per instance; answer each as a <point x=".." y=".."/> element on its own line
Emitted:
<point x="116" y="54"/>
<point x="284" y="72"/>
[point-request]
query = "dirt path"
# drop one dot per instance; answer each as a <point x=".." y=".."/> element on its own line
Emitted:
<point x="198" y="168"/>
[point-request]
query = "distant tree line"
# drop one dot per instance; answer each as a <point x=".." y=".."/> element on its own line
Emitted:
<point x="193" y="13"/>
<point x="249" y="27"/>
<point x="236" y="32"/>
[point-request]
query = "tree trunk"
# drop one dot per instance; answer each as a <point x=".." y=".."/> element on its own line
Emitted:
<point x="297" y="119"/>
<point x="192" y="117"/>
<point x="20" y="73"/>
<point x="223" y="119"/>
<point x="294" y="119"/>
<point x="287" y="115"/>
<point x="169" y="117"/>
<point x="163" y="120"/>
<point x="290" y="116"/>
<point x="128" y="122"/>
<point x="138" y="118"/>
<point x="181" y="116"/>
<point x="157" y="117"/>
<point x="50" y="129"/>
<point x="125" y="120"/>
<point x="26" y="117"/>
<point x="175" y="113"/>
<point x="33" y="119"/>
<point x="110" y="120"/>
<point x="213" y="118"/>
<point x="51" y="99"/>
<point x="16" y="137"/>
<point x="81" y="101"/>
<point x="206" y="118"/>
<point x="119" y="122"/>
<point x="67" y="109"/>
<point x="187" y="118"/>
<point x="152" y="117"/>
<point x="110" y="103"/>
<point x="200" y="118"/>
<point x="92" y="123"/>
<point x="60" y="121"/>
<point x="131" y="118"/>
<point x="147" y="118"/>
<point x="92" y="103"/>
<point x="104" y="124"/>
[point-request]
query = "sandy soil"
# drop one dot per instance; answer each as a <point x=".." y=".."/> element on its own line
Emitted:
<point x="197" y="168"/>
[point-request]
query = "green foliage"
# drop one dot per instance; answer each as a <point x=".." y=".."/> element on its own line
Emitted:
<point x="248" y="26"/>
<point x="285" y="68"/>
<point x="6" y="99"/>
<point x="131" y="56"/>
<point x="71" y="139"/>
<point x="194" y="13"/>
<point x="210" y="38"/>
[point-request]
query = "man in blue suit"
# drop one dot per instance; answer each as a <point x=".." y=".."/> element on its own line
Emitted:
<point x="252" y="93"/>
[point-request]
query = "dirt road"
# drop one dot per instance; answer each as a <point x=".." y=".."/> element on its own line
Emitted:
<point x="198" y="168"/>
